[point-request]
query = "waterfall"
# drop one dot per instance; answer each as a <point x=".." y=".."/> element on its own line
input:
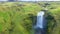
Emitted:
<point x="40" y="18"/>
<point x="40" y="24"/>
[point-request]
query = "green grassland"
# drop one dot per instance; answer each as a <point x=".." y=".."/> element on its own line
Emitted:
<point x="18" y="17"/>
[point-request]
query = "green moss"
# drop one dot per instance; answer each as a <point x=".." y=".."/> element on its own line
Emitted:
<point x="17" y="19"/>
<point x="53" y="24"/>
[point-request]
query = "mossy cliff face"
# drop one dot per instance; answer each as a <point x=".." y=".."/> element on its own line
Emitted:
<point x="53" y="19"/>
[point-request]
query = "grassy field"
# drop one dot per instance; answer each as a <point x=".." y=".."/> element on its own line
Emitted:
<point x="18" y="17"/>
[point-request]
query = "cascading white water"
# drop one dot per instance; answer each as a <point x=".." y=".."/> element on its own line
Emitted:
<point x="40" y="18"/>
